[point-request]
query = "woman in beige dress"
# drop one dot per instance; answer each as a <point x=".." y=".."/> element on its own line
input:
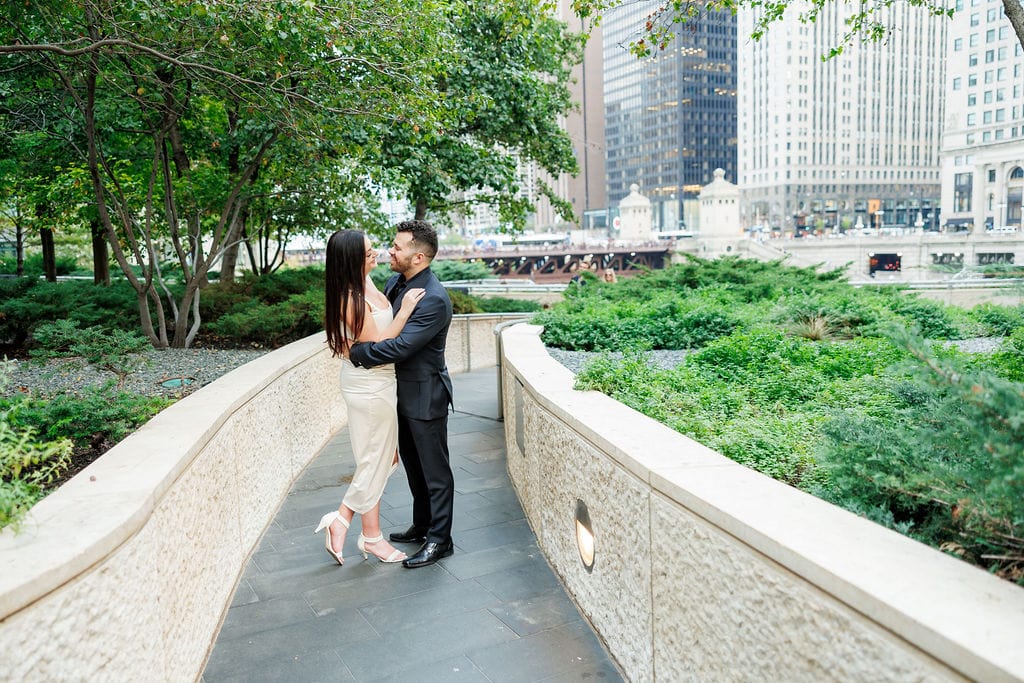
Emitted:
<point x="357" y="311"/>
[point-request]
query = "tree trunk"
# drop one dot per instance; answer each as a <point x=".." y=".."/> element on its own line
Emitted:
<point x="421" y="209"/>
<point x="19" y="249"/>
<point x="100" y="256"/>
<point x="1015" y="13"/>
<point x="229" y="260"/>
<point x="182" y="337"/>
<point x="49" y="255"/>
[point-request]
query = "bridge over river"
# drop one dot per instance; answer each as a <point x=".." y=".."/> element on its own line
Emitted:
<point x="550" y="264"/>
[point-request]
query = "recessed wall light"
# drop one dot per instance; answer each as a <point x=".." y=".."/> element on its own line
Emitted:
<point x="584" y="536"/>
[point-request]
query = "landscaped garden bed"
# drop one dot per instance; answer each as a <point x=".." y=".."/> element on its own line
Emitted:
<point x="857" y="395"/>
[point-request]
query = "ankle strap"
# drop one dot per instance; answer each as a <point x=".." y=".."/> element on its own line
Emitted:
<point x="378" y="539"/>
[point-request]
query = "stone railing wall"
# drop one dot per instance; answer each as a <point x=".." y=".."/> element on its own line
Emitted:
<point x="125" y="572"/>
<point x="706" y="570"/>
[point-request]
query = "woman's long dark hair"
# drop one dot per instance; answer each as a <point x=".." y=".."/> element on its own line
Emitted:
<point x="345" y="286"/>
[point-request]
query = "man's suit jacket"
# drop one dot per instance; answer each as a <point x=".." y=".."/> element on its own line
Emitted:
<point x="424" y="386"/>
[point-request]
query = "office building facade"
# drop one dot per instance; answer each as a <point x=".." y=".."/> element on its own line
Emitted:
<point x="983" y="137"/>
<point x="844" y="143"/>
<point x="670" y="120"/>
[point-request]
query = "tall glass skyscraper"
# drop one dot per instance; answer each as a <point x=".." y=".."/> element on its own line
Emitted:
<point x="670" y="121"/>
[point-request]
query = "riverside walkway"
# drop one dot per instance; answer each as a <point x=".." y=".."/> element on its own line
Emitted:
<point x="493" y="611"/>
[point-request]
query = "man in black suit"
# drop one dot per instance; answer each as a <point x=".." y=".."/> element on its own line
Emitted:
<point x="424" y="391"/>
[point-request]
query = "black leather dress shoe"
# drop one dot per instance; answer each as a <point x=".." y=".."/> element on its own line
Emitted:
<point x="429" y="554"/>
<point x="411" y="535"/>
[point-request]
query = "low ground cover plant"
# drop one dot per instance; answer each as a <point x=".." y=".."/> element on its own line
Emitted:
<point x="873" y="411"/>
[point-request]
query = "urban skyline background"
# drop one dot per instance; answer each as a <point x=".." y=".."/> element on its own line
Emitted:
<point x="924" y="129"/>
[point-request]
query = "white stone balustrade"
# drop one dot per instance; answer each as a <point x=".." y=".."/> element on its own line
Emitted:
<point x="126" y="571"/>
<point x="706" y="570"/>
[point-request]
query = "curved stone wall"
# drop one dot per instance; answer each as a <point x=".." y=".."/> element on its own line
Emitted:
<point x="124" y="573"/>
<point x="707" y="570"/>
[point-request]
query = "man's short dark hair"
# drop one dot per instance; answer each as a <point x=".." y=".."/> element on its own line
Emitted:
<point x="423" y="235"/>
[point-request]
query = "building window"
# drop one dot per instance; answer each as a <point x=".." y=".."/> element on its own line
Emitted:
<point x="958" y="45"/>
<point x="972" y="60"/>
<point x="990" y="35"/>
<point x="990" y="56"/>
<point x="987" y="98"/>
<point x="970" y="139"/>
<point x="972" y="119"/>
<point x="975" y="19"/>
<point x="972" y="100"/>
<point x="957" y="82"/>
<point x="991" y="15"/>
<point x="963" y="185"/>
<point x="972" y="80"/>
<point x="1013" y="197"/>
<point x="973" y="40"/>
<point x="986" y="117"/>
<point x="991" y="175"/>
<point x="1000" y="115"/>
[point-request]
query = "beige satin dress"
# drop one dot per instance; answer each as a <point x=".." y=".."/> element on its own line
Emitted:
<point x="370" y="396"/>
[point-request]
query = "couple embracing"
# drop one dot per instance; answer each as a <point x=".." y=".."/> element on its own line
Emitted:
<point x="396" y="388"/>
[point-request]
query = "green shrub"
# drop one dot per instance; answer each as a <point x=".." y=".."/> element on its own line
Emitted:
<point x="93" y="418"/>
<point x="931" y="317"/>
<point x="221" y="298"/>
<point x="453" y="270"/>
<point x="273" y="324"/>
<point x="33" y="266"/>
<point x="27" y="464"/>
<point x="944" y="465"/>
<point x="115" y="351"/>
<point x="497" y="304"/>
<point x="1007" y="361"/>
<point x="998" y="321"/>
<point x="463" y="303"/>
<point x="285" y="283"/>
<point x="844" y="313"/>
<point x="25" y="303"/>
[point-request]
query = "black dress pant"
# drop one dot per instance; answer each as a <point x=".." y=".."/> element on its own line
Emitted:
<point x="424" y="448"/>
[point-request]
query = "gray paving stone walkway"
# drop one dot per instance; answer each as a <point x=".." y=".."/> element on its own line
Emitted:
<point x="493" y="611"/>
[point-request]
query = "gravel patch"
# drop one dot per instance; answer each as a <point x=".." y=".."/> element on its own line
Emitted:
<point x="977" y="345"/>
<point x="202" y="366"/>
<point x="574" y="360"/>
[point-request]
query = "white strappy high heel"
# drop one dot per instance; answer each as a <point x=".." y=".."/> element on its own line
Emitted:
<point x="395" y="556"/>
<point x="325" y="523"/>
